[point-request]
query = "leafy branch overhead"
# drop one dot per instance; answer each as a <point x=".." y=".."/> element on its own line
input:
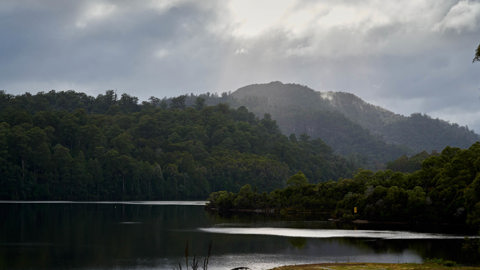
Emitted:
<point x="477" y="54"/>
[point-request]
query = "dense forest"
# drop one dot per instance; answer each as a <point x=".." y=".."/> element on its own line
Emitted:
<point x="364" y="133"/>
<point x="409" y="164"/>
<point x="446" y="189"/>
<point x="71" y="146"/>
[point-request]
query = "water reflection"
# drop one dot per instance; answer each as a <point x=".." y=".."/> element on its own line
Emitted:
<point x="329" y="233"/>
<point x="298" y="242"/>
<point x="153" y="236"/>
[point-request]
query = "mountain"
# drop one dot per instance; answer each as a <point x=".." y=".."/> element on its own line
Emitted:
<point x="351" y="126"/>
<point x="418" y="132"/>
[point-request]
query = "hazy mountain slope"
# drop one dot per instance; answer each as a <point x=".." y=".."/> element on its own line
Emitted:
<point x="369" y="116"/>
<point x="349" y="124"/>
<point x="418" y="132"/>
<point x="298" y="109"/>
<point x="421" y="132"/>
<point x="277" y="96"/>
<point x="344" y="136"/>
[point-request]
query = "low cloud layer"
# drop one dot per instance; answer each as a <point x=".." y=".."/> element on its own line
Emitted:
<point x="408" y="56"/>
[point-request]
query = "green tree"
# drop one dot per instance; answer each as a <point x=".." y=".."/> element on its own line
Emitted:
<point x="128" y="103"/>
<point x="199" y="103"/>
<point x="297" y="180"/>
<point x="40" y="156"/>
<point x="178" y="102"/>
<point x="221" y="200"/>
<point x="62" y="186"/>
<point x="477" y="54"/>
<point x="245" y="198"/>
<point x="7" y="180"/>
<point x="66" y="145"/>
<point x="473" y="217"/>
<point x="123" y="143"/>
<point x="103" y="102"/>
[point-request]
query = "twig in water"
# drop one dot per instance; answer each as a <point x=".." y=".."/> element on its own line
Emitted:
<point x="206" y="259"/>
<point x="195" y="260"/>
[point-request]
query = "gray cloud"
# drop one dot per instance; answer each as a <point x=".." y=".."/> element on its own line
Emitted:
<point x="409" y="57"/>
<point x="120" y="51"/>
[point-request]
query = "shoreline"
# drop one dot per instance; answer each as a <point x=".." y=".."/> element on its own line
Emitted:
<point x="275" y="213"/>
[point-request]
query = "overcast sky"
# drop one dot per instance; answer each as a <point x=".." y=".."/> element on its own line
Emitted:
<point x="406" y="56"/>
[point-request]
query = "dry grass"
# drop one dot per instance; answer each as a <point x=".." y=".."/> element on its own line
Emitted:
<point x="373" y="266"/>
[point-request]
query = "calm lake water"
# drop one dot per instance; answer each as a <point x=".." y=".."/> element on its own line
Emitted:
<point x="153" y="235"/>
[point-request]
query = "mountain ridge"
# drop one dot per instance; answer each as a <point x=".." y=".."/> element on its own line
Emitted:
<point x="360" y="125"/>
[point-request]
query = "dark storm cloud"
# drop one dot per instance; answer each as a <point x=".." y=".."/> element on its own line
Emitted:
<point x="59" y="44"/>
<point x="413" y="56"/>
<point x="418" y="64"/>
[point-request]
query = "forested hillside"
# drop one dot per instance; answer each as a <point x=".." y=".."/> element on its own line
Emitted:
<point x="70" y="146"/>
<point x="368" y="134"/>
<point x="446" y="189"/>
<point x="298" y="110"/>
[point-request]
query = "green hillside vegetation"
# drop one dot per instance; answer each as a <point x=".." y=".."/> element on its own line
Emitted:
<point x="298" y="109"/>
<point x="420" y="132"/>
<point x="366" y="134"/>
<point x="346" y="138"/>
<point x="445" y="190"/>
<point x="409" y="164"/>
<point x="70" y="146"/>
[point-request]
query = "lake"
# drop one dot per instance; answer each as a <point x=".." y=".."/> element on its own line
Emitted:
<point x="154" y="235"/>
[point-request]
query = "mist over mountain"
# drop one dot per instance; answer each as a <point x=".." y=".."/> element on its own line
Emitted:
<point x="351" y="126"/>
<point x="419" y="132"/>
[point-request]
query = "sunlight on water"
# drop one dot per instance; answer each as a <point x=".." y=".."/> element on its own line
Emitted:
<point x="260" y="261"/>
<point x="327" y="233"/>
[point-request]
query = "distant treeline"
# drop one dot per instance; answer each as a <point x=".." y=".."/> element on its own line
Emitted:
<point x="446" y="189"/>
<point x="70" y="146"/>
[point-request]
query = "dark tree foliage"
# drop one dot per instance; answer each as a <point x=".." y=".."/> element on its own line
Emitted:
<point x="409" y="164"/>
<point x="69" y="146"/>
<point x="178" y="102"/>
<point x="446" y="189"/>
<point x="423" y="133"/>
<point x="477" y="54"/>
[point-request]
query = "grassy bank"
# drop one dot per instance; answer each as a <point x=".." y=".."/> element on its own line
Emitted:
<point x="374" y="266"/>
